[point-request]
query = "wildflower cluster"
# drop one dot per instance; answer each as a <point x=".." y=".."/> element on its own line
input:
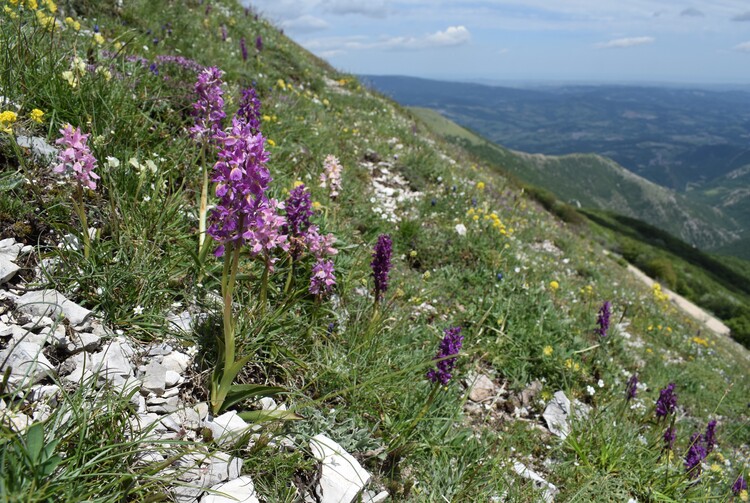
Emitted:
<point x="659" y="295"/>
<point x="331" y="175"/>
<point x="381" y="264"/>
<point x="667" y="402"/>
<point x="7" y="119"/>
<point x="480" y="216"/>
<point x="76" y="156"/>
<point x="209" y="108"/>
<point x="602" y="319"/>
<point x="632" y="387"/>
<point x="700" y="447"/>
<point x="449" y="348"/>
<point x="243" y="213"/>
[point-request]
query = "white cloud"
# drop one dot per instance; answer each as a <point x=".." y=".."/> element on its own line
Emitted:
<point x="743" y="47"/>
<point x="366" y="8"/>
<point x="692" y="13"/>
<point x="450" y="37"/>
<point x="620" y="43"/>
<point x="745" y="16"/>
<point x="305" y="24"/>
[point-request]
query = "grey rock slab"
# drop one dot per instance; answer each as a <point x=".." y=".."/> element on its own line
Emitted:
<point x="239" y="490"/>
<point x="7" y="270"/>
<point x="186" y="493"/>
<point x="182" y="322"/>
<point x="80" y="341"/>
<point x="226" y="427"/>
<point x="557" y="415"/>
<point x="176" y="361"/>
<point x="342" y="478"/>
<point x="220" y="467"/>
<point x="482" y="388"/>
<point x="268" y="403"/>
<point x="53" y="304"/>
<point x="154" y="379"/>
<point x="160" y="349"/>
<point x="549" y="491"/>
<point x="9" y="249"/>
<point x="113" y="360"/>
<point x="171" y="378"/>
<point x="26" y="361"/>
<point x="40" y="149"/>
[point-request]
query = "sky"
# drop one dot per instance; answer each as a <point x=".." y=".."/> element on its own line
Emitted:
<point x="627" y="41"/>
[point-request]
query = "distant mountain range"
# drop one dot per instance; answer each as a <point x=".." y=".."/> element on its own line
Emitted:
<point x="673" y="137"/>
<point x="648" y="142"/>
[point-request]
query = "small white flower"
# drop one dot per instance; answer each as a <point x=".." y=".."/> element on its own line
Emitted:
<point x="138" y="310"/>
<point x="113" y="162"/>
<point x="600" y="383"/>
<point x="590" y="390"/>
<point x="642" y="439"/>
<point x="146" y="199"/>
<point x="461" y="229"/>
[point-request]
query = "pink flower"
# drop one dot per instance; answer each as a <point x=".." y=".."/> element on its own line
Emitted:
<point x="331" y="176"/>
<point x="76" y="156"/>
<point x="323" y="278"/>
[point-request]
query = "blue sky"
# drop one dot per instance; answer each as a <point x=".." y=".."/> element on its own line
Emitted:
<point x="525" y="40"/>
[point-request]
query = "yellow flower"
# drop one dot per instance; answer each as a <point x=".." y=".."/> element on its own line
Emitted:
<point x="271" y="142"/>
<point x="426" y="275"/>
<point x="100" y="70"/>
<point x="266" y="118"/>
<point x="547" y="350"/>
<point x="70" y="78"/>
<point x="716" y="468"/>
<point x="51" y="6"/>
<point x="700" y="341"/>
<point x="281" y="84"/>
<point x="37" y="115"/>
<point x="72" y="23"/>
<point x="316" y="206"/>
<point x="743" y="495"/>
<point x="32" y="4"/>
<point x="297" y="183"/>
<point x="480" y="186"/>
<point x="98" y="38"/>
<point x="413" y="253"/>
<point x="7" y="118"/>
<point x="554" y="285"/>
<point x="10" y="12"/>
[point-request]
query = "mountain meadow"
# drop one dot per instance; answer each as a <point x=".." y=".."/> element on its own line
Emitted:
<point x="231" y="272"/>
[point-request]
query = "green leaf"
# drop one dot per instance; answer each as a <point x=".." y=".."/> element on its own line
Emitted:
<point x="239" y="392"/>
<point x="10" y="182"/>
<point x="260" y="416"/>
<point x="35" y="441"/>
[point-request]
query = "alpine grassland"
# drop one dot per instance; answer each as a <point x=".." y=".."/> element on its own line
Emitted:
<point x="391" y="292"/>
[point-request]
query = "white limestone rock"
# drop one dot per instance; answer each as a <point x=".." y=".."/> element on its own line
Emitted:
<point x="53" y="304"/>
<point x="557" y="415"/>
<point x="154" y="379"/>
<point x="7" y="270"/>
<point x="549" y="491"/>
<point x="482" y="388"/>
<point x="342" y="478"/>
<point x="239" y="490"/>
<point x="226" y="427"/>
<point x="27" y="362"/>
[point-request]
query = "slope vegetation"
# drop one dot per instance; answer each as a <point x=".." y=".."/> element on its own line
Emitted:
<point x="371" y="358"/>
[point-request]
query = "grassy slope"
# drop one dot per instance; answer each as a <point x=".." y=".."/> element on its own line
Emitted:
<point x="597" y="182"/>
<point x="716" y="283"/>
<point x="368" y="368"/>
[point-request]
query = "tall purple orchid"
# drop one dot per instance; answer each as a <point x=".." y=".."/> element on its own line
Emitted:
<point x="602" y="319"/>
<point x="449" y="348"/>
<point x="209" y="108"/>
<point x="667" y="401"/>
<point x="381" y="264"/>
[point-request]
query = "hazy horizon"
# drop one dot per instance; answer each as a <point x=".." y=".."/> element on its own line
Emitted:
<point x="598" y="41"/>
